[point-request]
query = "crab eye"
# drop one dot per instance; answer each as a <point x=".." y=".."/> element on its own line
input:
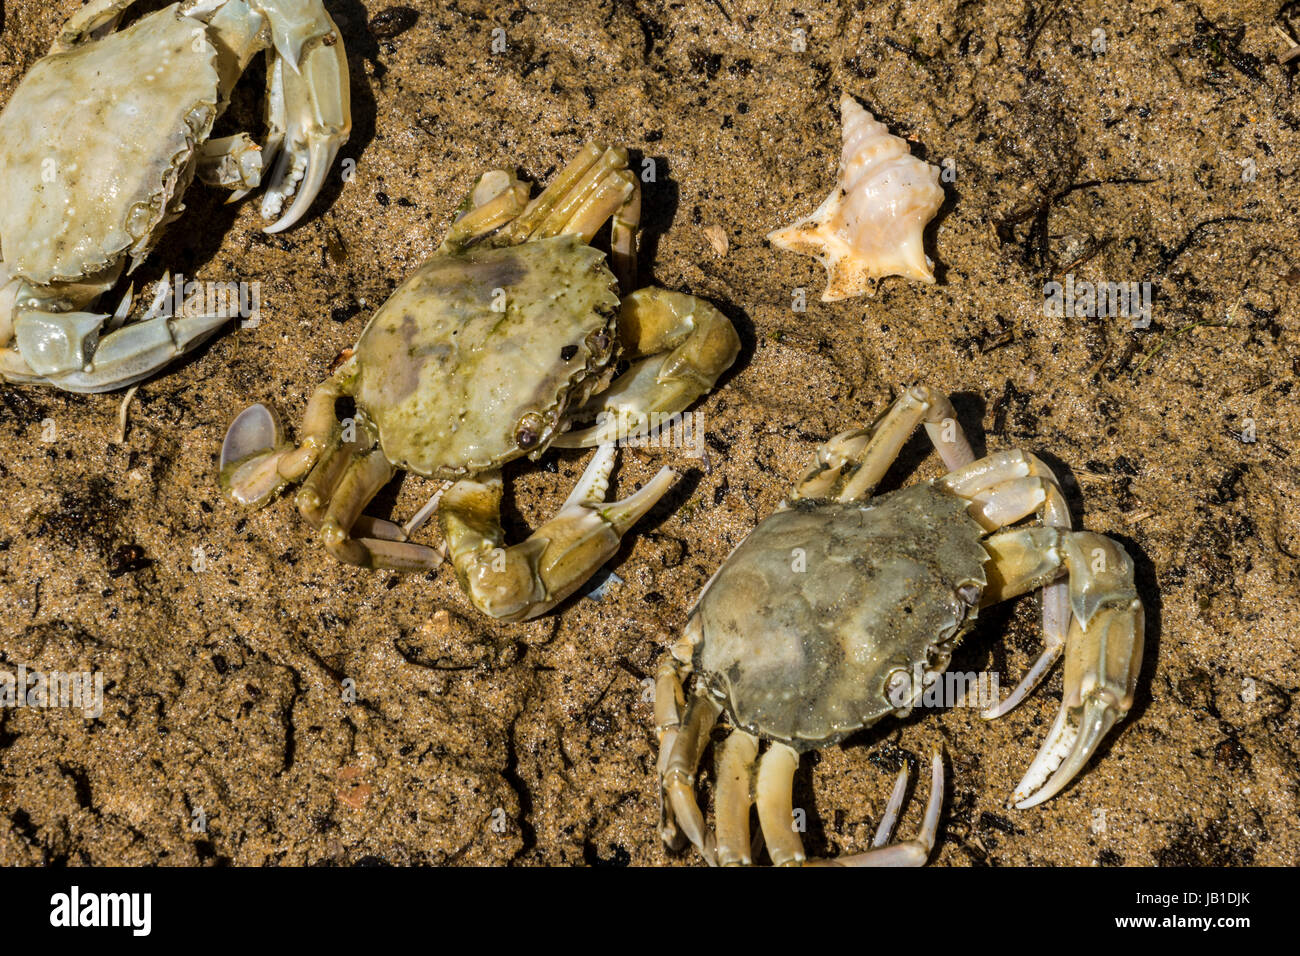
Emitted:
<point x="568" y="352"/>
<point x="528" y="431"/>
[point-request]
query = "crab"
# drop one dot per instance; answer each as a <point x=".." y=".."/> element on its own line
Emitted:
<point x="100" y="141"/>
<point x="840" y="608"/>
<point x="492" y="350"/>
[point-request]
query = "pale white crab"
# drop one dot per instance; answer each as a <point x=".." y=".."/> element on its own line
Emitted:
<point x="838" y="610"/>
<point x="101" y="139"/>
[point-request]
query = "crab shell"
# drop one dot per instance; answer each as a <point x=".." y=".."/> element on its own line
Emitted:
<point x="96" y="155"/>
<point x="807" y="622"/>
<point x="475" y="359"/>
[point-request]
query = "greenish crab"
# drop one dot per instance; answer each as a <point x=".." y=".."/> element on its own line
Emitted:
<point x="842" y="608"/>
<point x="491" y="351"/>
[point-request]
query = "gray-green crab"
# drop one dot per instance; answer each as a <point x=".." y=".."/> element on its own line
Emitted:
<point x="841" y="608"/>
<point x="100" y="141"/>
<point x="490" y="351"/>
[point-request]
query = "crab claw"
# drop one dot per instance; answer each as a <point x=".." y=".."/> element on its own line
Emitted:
<point x="679" y="346"/>
<point x="309" y="114"/>
<point x="527" y="579"/>
<point x="1103" y="655"/>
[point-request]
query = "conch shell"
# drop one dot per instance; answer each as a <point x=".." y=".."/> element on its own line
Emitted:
<point x="871" y="224"/>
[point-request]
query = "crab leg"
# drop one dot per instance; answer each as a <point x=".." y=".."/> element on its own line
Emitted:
<point x="978" y="478"/>
<point x="889" y="819"/>
<point x="524" y="580"/>
<point x="1021" y="560"/>
<point x="231" y="161"/>
<point x="316" y="494"/>
<point x="366" y="473"/>
<point x="322" y="482"/>
<point x="1004" y="488"/>
<point x="275" y="112"/>
<point x="363" y="475"/>
<point x="775" y="798"/>
<point x="307" y="98"/>
<point x="65" y="348"/>
<point x="565" y="203"/>
<point x="677" y="779"/>
<point x="257" y="461"/>
<point x="850" y="465"/>
<point x="346" y="477"/>
<point x="616" y="200"/>
<point x="623" y="228"/>
<point x="45" y="334"/>
<point x="237" y="33"/>
<point x="679" y="346"/>
<point x="496" y="199"/>
<point x="914" y="852"/>
<point x="1103" y="648"/>
<point x="669" y="702"/>
<point x="596" y="186"/>
<point x="735" y="776"/>
<point x="609" y="196"/>
<point x="523" y="227"/>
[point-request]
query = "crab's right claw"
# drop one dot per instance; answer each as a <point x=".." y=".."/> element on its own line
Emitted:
<point x="310" y="117"/>
<point x="1103" y="656"/>
<point x="251" y="456"/>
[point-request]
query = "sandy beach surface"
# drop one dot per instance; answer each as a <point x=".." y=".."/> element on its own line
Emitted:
<point x="265" y="704"/>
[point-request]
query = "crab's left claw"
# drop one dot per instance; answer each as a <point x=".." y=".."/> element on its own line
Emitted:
<point x="310" y="116"/>
<point x="1103" y="655"/>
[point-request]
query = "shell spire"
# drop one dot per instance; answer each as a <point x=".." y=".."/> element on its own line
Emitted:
<point x="871" y="224"/>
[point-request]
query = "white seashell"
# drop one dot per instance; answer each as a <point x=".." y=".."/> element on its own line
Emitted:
<point x="871" y="224"/>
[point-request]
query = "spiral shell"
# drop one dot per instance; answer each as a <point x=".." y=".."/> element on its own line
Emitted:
<point x="871" y="224"/>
